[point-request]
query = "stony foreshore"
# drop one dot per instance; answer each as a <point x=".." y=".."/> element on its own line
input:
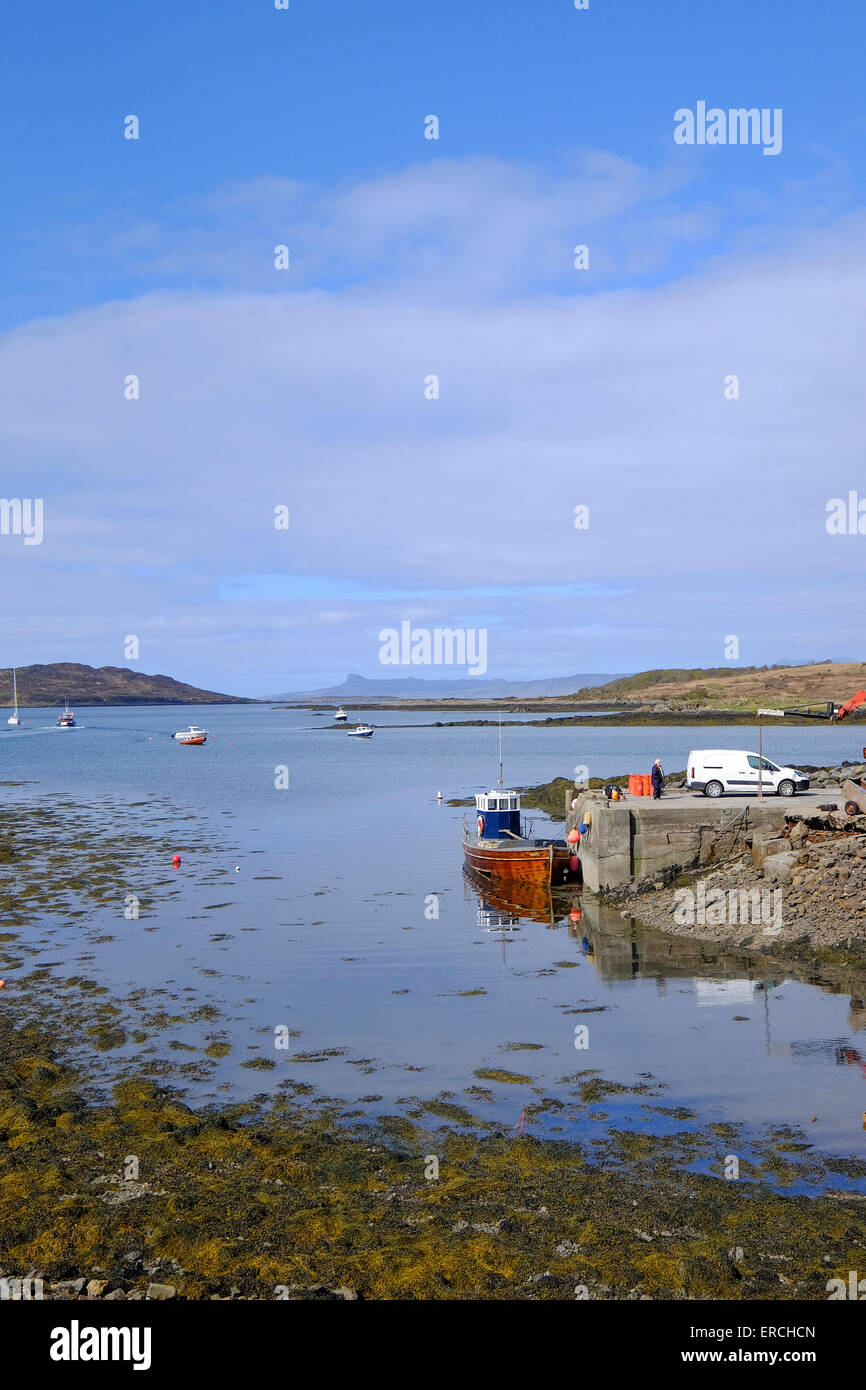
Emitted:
<point x="289" y="1201"/>
<point x="128" y="1193"/>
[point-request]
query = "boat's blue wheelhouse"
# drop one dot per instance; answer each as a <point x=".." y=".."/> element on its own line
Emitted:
<point x="498" y="813"/>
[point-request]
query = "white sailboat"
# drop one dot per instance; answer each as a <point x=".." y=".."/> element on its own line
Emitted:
<point x="15" y="717"/>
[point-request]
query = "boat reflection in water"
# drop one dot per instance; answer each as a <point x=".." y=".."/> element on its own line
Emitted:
<point x="621" y="947"/>
<point x="504" y="903"/>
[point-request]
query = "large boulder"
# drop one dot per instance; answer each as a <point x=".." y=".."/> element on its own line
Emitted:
<point x="779" y="868"/>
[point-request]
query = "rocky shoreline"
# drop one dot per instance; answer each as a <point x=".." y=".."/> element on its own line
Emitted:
<point x="284" y="1201"/>
<point x="810" y="881"/>
<point x="609" y="715"/>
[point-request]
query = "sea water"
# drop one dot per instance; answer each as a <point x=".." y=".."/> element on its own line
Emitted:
<point x="332" y="905"/>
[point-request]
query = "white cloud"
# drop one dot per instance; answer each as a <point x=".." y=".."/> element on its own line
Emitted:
<point x="709" y="509"/>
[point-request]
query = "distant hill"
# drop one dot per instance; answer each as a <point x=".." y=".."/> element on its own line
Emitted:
<point x="735" y="687"/>
<point x="106" y="685"/>
<point x="413" y="688"/>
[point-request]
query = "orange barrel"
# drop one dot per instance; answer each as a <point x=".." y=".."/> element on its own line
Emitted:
<point x="631" y="782"/>
<point x="638" y="784"/>
<point x="647" y="784"/>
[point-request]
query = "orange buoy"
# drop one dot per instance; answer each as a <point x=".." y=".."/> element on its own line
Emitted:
<point x="175" y="860"/>
<point x="2" y="984"/>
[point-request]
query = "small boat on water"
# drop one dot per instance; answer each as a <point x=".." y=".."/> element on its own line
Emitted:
<point x="66" y="720"/>
<point x="498" y="847"/>
<point x="15" y="717"/>
<point x="362" y="731"/>
<point x="191" y="737"/>
<point x="341" y="716"/>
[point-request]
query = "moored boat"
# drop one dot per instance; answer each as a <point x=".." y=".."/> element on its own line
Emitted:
<point x="15" y="717"/>
<point x="362" y="731"/>
<point x="498" y="848"/>
<point x="192" y="736"/>
<point x="340" y="715"/>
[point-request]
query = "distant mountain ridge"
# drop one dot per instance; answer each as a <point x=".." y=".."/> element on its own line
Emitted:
<point x="413" y="687"/>
<point x="103" y="685"/>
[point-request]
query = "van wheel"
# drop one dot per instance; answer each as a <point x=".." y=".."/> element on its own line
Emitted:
<point x="786" y="788"/>
<point x="713" y="789"/>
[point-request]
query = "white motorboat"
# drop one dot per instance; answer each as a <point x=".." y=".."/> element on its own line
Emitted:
<point x="15" y="717"/>
<point x="193" y="735"/>
<point x="66" y="720"/>
<point x="362" y="731"/>
<point x="341" y="716"/>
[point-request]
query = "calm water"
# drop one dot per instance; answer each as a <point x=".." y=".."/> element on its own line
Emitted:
<point x="330" y="925"/>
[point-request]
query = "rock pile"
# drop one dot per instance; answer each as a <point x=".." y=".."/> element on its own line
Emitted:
<point x="807" y="887"/>
<point x="834" y="776"/>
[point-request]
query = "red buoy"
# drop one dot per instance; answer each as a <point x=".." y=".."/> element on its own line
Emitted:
<point x="176" y="860"/>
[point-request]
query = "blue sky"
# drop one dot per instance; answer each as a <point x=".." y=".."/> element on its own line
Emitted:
<point x="558" y="387"/>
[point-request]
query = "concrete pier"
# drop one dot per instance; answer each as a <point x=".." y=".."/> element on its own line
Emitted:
<point x="638" y="837"/>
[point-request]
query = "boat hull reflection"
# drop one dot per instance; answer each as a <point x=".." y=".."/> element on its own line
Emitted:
<point x="512" y="899"/>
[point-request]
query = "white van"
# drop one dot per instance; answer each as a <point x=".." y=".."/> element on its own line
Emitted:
<point x="715" y="771"/>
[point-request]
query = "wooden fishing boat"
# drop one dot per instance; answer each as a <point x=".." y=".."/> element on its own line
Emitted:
<point x="497" y="847"/>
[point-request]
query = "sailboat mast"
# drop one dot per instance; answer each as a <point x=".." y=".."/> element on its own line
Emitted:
<point x="500" y="750"/>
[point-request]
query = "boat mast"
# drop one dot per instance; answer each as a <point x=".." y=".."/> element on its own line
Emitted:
<point x="500" y="749"/>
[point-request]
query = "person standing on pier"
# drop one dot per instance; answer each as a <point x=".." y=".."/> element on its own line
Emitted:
<point x="657" y="777"/>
